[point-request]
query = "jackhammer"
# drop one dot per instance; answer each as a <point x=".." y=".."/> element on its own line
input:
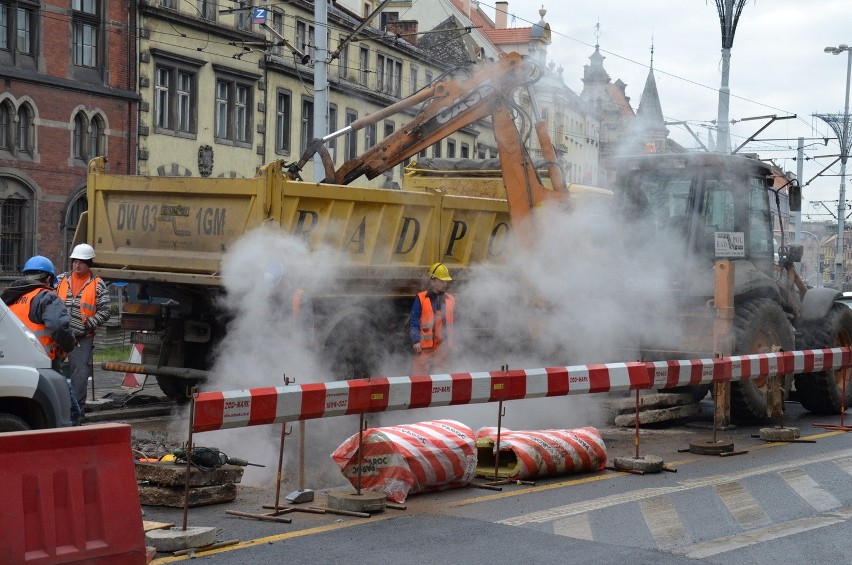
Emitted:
<point x="210" y="458"/>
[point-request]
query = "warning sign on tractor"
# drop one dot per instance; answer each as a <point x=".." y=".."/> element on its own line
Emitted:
<point x="730" y="244"/>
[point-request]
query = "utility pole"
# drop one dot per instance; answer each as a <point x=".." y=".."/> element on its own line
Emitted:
<point x="729" y="15"/>
<point x="320" y="80"/>
<point x="840" y="125"/>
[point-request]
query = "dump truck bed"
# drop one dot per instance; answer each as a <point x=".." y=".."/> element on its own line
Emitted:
<point x="178" y="229"/>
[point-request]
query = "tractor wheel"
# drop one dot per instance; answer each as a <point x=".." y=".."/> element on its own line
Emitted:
<point x="12" y="423"/>
<point x="822" y="392"/>
<point x="760" y="325"/>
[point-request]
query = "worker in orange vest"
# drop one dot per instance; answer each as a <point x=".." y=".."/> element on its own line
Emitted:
<point x="431" y="324"/>
<point x="33" y="300"/>
<point x="86" y="297"/>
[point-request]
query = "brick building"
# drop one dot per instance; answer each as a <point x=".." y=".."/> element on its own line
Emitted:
<point x="69" y="93"/>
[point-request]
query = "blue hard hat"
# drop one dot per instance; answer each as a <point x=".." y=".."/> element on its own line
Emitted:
<point x="40" y="264"/>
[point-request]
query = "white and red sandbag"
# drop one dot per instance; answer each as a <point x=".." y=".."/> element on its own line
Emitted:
<point x="403" y="460"/>
<point x="542" y="453"/>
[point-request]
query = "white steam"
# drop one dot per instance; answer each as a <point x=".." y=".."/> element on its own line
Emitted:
<point x="590" y="294"/>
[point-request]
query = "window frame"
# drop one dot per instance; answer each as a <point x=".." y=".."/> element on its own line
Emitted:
<point x="389" y="74"/>
<point x="87" y="14"/>
<point x="84" y="126"/>
<point x="10" y="53"/>
<point x="175" y="66"/>
<point x="306" y="123"/>
<point x="283" y="124"/>
<point x="350" y="140"/>
<point x="233" y="108"/>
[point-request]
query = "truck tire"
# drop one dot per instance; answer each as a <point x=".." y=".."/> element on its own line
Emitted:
<point x="175" y="388"/>
<point x="352" y="349"/>
<point x="12" y="423"/>
<point x="759" y="325"/>
<point x="821" y="392"/>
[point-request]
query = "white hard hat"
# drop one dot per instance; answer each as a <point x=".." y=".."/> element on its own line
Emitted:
<point x="83" y="251"/>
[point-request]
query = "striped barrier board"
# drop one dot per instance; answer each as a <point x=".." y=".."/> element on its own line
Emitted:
<point x="252" y="407"/>
<point x="258" y="406"/>
<point x="669" y="374"/>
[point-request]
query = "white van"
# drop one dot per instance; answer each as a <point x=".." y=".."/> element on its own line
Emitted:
<point x="32" y="395"/>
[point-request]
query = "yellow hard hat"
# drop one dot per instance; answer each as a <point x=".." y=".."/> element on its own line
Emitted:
<point x="439" y="271"/>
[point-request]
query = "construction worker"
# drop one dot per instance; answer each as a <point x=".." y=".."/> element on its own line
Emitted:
<point x="87" y="299"/>
<point x="430" y="326"/>
<point x="33" y="300"/>
<point x="289" y="300"/>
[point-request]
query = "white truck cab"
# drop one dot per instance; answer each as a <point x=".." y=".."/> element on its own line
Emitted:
<point x="32" y="395"/>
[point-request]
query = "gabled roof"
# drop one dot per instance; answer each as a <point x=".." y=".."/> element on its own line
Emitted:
<point x="621" y="100"/>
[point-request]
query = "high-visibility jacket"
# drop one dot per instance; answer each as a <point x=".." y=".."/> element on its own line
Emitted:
<point x="21" y="309"/>
<point x="436" y="329"/>
<point x="88" y="296"/>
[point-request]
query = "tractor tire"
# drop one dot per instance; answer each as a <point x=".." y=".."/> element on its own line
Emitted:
<point x="822" y="393"/>
<point x="12" y="423"/>
<point x="759" y="325"/>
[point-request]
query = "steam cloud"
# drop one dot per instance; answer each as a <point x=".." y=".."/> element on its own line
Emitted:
<point x="591" y="294"/>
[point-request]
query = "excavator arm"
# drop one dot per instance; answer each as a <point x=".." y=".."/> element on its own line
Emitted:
<point x="448" y="106"/>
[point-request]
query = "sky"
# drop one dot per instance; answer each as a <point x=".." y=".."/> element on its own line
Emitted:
<point x="778" y="67"/>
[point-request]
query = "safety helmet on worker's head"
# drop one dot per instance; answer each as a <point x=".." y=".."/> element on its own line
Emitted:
<point x="83" y="251"/>
<point x="40" y="265"/>
<point x="439" y="271"/>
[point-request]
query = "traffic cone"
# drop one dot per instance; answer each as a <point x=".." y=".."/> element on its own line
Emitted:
<point x="131" y="380"/>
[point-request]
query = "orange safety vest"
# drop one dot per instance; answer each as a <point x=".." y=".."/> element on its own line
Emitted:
<point x="21" y="309"/>
<point x="88" y="296"/>
<point x="435" y="331"/>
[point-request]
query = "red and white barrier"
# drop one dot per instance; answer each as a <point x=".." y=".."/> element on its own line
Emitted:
<point x="252" y="407"/>
<point x="403" y="460"/>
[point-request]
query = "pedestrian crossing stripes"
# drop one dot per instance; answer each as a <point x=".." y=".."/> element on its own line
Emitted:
<point x="763" y="504"/>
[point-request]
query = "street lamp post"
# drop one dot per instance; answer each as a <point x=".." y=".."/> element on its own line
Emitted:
<point x="844" y="154"/>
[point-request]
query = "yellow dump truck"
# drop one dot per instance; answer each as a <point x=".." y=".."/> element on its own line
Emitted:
<point x="170" y="234"/>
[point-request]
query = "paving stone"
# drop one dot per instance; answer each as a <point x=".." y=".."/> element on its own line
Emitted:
<point x="170" y="474"/>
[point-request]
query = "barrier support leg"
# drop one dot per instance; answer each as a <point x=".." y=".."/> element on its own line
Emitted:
<point x="638" y="465"/>
<point x="841" y="427"/>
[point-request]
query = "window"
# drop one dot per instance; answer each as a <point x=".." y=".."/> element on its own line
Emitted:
<point x="415" y="71"/>
<point x="305" y="38"/>
<point x="175" y="94"/>
<point x="207" y="10"/>
<point x="13" y="234"/>
<point x="370" y="138"/>
<point x="19" y="25"/>
<point x="428" y="79"/>
<point x="332" y="127"/>
<point x="278" y="26"/>
<point x="86" y="31"/>
<point x="5" y="126"/>
<point x="388" y="17"/>
<point x="25" y="138"/>
<point x="233" y="107"/>
<point x="436" y="150"/>
<point x="481" y="151"/>
<point x="465" y="151"/>
<point x="307" y="122"/>
<point x="282" y="121"/>
<point x="451" y="149"/>
<point x="390" y="127"/>
<point x="343" y="62"/>
<point x="242" y="17"/>
<point x="363" y="66"/>
<point x="89" y="137"/>
<point x="389" y="75"/>
<point x="350" y="142"/>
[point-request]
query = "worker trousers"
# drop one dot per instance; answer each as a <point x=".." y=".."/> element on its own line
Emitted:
<point x="432" y="361"/>
<point x="80" y="364"/>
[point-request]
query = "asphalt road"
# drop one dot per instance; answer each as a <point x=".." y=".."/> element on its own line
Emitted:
<point x="789" y="502"/>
